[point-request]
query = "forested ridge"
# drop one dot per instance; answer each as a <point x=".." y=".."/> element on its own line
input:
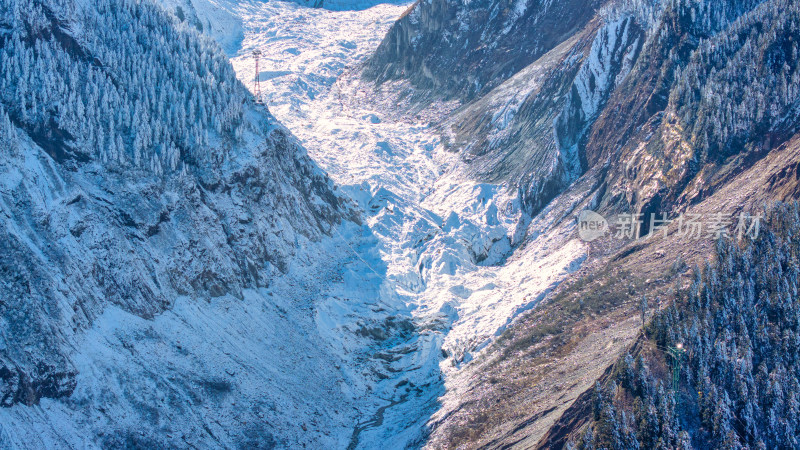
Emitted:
<point x="738" y="385"/>
<point x="119" y="82"/>
<point x="741" y="85"/>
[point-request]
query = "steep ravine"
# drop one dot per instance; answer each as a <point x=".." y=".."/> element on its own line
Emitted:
<point x="458" y="253"/>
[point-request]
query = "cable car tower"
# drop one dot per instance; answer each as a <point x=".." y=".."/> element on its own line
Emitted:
<point x="257" y="80"/>
<point x="677" y="353"/>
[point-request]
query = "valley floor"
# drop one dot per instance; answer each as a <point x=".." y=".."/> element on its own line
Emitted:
<point x="454" y="255"/>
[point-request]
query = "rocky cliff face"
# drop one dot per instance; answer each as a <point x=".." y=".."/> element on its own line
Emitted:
<point x="529" y="131"/>
<point x="463" y="49"/>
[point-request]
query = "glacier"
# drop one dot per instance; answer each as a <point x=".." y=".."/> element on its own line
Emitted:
<point x="460" y="255"/>
<point x="358" y="336"/>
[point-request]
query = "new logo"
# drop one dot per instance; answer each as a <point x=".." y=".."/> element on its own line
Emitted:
<point x="591" y="225"/>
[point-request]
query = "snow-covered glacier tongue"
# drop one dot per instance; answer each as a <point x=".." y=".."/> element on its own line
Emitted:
<point x="457" y="258"/>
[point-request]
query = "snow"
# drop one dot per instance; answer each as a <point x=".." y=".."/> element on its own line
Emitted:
<point x="446" y="249"/>
<point x="216" y="18"/>
<point x="438" y="250"/>
<point x="346" y="351"/>
<point x="609" y="61"/>
<point x="593" y="81"/>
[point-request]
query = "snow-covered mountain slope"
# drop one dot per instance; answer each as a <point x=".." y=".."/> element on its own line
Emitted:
<point x="527" y="132"/>
<point x="182" y="275"/>
<point x="186" y="276"/>
<point x="600" y="90"/>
